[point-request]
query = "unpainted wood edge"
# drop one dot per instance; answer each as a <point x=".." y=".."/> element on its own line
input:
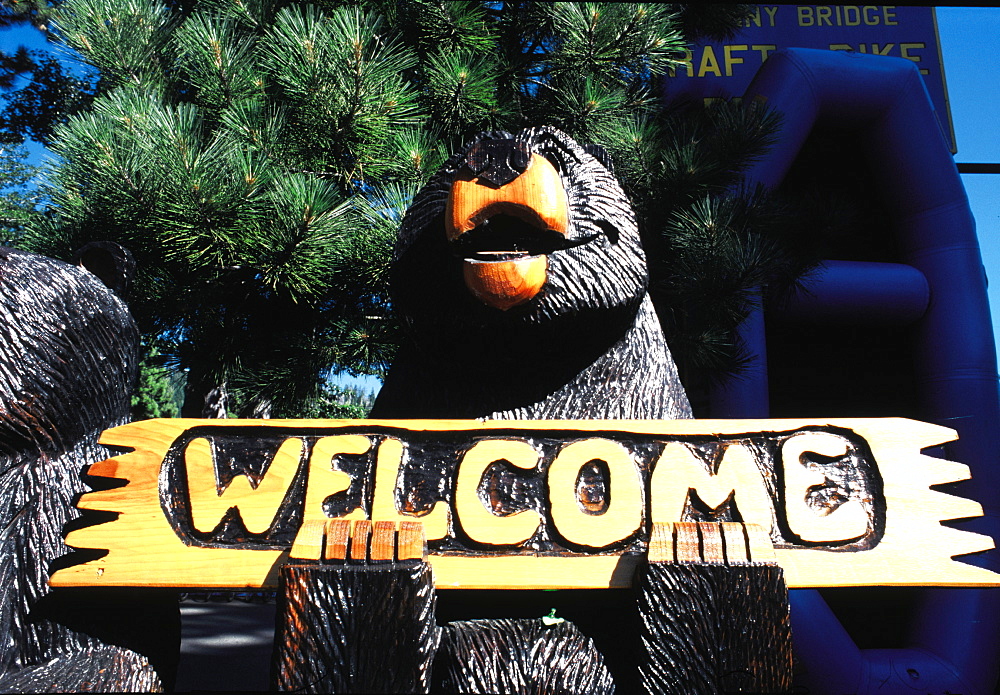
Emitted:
<point x="713" y="549"/>
<point x="735" y="539"/>
<point x="412" y="541"/>
<point x="360" y="539"/>
<point x="383" y="542"/>
<point x="338" y="534"/>
<point x="661" y="543"/>
<point x="688" y="542"/>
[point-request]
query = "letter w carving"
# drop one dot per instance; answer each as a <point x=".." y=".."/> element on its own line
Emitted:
<point x="258" y="505"/>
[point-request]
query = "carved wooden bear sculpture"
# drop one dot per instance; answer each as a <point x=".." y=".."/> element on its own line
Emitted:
<point x="522" y="282"/>
<point x="68" y="360"/>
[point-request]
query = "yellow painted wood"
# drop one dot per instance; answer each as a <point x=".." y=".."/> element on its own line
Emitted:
<point x="325" y="478"/>
<point x="915" y="550"/>
<point x="624" y="514"/>
<point x="308" y="543"/>
<point x="480" y="523"/>
<point x="759" y="544"/>
<point x="535" y="571"/>
<point x="679" y="471"/>
<point x="209" y="501"/>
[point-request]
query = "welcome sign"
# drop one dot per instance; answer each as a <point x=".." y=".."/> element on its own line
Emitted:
<point x="546" y="504"/>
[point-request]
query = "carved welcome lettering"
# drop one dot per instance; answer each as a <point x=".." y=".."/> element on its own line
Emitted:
<point x="550" y="491"/>
<point x="544" y="504"/>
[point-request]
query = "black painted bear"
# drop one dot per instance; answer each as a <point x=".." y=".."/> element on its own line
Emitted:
<point x="68" y="361"/>
<point x="522" y="283"/>
<point x="521" y="280"/>
<point x="576" y="339"/>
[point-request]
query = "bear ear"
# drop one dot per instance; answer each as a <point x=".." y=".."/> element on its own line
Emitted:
<point x="601" y="155"/>
<point x="112" y="264"/>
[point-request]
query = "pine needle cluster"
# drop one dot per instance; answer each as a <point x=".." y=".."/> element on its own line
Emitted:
<point x="257" y="155"/>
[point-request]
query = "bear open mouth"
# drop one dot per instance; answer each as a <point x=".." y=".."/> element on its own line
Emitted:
<point x="506" y="237"/>
<point x="504" y="234"/>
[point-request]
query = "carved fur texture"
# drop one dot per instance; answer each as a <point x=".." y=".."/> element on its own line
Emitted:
<point x="520" y="656"/>
<point x="709" y="629"/>
<point x="587" y="346"/>
<point x="68" y="360"/>
<point x="355" y="629"/>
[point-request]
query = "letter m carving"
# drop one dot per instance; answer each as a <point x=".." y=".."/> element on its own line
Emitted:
<point x="680" y="473"/>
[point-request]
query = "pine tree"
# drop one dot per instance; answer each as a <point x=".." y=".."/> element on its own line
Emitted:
<point x="155" y="392"/>
<point x="339" y="402"/>
<point x="19" y="193"/>
<point x="257" y="155"/>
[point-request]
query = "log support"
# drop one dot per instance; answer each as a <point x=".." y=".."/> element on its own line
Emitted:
<point x="714" y="612"/>
<point x="357" y="604"/>
<point x="356" y="611"/>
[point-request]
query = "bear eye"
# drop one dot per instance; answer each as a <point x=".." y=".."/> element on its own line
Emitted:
<point x="555" y="161"/>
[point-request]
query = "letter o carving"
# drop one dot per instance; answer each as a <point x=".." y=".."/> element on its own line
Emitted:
<point x="623" y="515"/>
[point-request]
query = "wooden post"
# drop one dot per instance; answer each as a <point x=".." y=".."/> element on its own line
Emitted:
<point x="356" y="610"/>
<point x="714" y="612"/>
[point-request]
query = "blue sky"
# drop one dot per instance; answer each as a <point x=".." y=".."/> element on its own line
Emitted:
<point x="33" y="40"/>
<point x="972" y="70"/>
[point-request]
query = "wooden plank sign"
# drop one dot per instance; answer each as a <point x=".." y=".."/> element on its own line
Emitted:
<point x="526" y="504"/>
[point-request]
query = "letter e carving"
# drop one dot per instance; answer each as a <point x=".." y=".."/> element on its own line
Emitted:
<point x="810" y="523"/>
<point x="324" y="479"/>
